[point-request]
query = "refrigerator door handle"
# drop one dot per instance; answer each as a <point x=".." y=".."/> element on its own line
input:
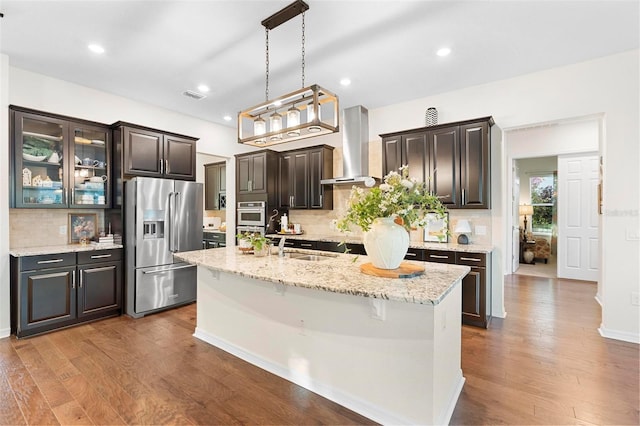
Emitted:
<point x="164" y="271"/>
<point x="170" y="222"/>
<point x="174" y="225"/>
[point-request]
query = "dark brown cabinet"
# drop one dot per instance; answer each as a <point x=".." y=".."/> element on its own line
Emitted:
<point x="256" y="173"/>
<point x="215" y="186"/>
<point x="299" y="176"/>
<point x="154" y="153"/>
<point x="59" y="162"/>
<point x="99" y="283"/>
<point x="454" y="160"/>
<point x="213" y="240"/>
<point x="476" y="294"/>
<point x="59" y="290"/>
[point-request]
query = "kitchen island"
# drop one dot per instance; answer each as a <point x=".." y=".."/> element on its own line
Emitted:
<point x="388" y="349"/>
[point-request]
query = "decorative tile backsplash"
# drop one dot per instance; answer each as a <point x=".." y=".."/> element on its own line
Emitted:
<point x="43" y="227"/>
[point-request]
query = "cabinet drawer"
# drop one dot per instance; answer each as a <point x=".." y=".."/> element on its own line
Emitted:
<point x="440" y="256"/>
<point x="97" y="256"/>
<point x="304" y="244"/>
<point x="471" y="259"/>
<point x="214" y="236"/>
<point x="29" y="263"/>
<point x="415" y="254"/>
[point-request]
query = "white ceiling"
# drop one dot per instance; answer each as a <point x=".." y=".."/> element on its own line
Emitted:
<point x="155" y="50"/>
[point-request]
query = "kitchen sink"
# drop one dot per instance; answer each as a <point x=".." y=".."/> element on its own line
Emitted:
<point x="309" y="257"/>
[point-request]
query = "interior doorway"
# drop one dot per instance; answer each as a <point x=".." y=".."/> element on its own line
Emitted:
<point x="535" y="210"/>
<point x="552" y="139"/>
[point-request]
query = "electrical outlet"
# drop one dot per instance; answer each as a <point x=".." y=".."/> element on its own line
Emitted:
<point x="62" y="230"/>
<point x="333" y="224"/>
<point x="632" y="234"/>
<point x="635" y="298"/>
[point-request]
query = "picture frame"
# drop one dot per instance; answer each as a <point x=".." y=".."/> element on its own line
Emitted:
<point x="82" y="227"/>
<point x="436" y="228"/>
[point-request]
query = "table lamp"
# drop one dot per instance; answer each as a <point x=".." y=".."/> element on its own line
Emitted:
<point x="462" y="228"/>
<point x="525" y="210"/>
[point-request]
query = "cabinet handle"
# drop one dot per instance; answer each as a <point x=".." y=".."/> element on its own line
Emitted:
<point x="100" y="256"/>
<point x="306" y="245"/>
<point x="411" y="254"/>
<point x="160" y="161"/>
<point x="321" y="201"/>
<point x="81" y="279"/>
<point x="166" y="166"/>
<point x="292" y="201"/>
<point x="66" y="200"/>
<point x="464" y="202"/>
<point x="471" y="258"/>
<point x="43" y="262"/>
<point x="438" y="256"/>
<point x="73" y="196"/>
<point x="73" y="279"/>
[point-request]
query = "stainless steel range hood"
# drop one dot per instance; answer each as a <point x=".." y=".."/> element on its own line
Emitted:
<point x="355" y="149"/>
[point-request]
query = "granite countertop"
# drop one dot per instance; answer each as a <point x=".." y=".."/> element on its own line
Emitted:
<point x="467" y="248"/>
<point x="63" y="248"/>
<point x="339" y="274"/>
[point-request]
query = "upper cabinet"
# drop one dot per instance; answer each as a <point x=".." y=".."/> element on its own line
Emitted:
<point x="256" y="173"/>
<point x="215" y="186"/>
<point x="59" y="162"/>
<point x="453" y="159"/>
<point x="299" y="175"/>
<point x="154" y="153"/>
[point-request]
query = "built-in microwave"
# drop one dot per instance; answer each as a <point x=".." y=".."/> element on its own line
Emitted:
<point x="252" y="213"/>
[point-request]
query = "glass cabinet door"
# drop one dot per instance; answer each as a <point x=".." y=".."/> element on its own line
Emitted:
<point x="90" y="159"/>
<point x="40" y="149"/>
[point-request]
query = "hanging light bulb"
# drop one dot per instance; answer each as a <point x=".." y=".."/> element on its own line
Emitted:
<point x="311" y="117"/>
<point x="259" y="128"/>
<point x="275" y="125"/>
<point x="293" y="120"/>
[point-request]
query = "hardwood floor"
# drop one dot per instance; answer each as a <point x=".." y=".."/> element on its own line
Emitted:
<point x="544" y="364"/>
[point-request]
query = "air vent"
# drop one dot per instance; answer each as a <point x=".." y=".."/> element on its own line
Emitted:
<point x="194" y="95"/>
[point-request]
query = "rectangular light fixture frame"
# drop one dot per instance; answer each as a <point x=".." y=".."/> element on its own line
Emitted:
<point x="317" y="96"/>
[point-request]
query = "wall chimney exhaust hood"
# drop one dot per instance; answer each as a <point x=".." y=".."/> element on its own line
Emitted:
<point x="355" y="149"/>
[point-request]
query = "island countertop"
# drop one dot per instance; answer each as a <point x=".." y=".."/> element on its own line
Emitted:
<point x="339" y="274"/>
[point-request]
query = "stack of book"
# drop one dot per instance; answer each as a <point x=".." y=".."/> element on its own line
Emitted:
<point x="105" y="241"/>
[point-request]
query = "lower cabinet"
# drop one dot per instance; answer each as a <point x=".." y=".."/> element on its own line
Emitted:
<point x="60" y="290"/>
<point x="476" y="294"/>
<point x="213" y="240"/>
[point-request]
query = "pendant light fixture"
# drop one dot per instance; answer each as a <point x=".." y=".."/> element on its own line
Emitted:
<point x="285" y="113"/>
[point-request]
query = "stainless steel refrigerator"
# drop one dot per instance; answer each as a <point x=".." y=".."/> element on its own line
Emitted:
<point x="162" y="217"/>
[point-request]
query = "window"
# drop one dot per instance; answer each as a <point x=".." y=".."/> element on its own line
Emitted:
<point x="543" y="200"/>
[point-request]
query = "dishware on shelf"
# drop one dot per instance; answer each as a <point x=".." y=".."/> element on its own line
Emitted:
<point x="54" y="158"/>
<point x="87" y="162"/>
<point x="30" y="157"/>
<point x="98" y="179"/>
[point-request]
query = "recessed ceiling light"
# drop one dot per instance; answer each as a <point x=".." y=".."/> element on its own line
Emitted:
<point x="96" y="48"/>
<point x="227" y="118"/>
<point x="443" y="52"/>
<point x="203" y="88"/>
<point x="345" y="82"/>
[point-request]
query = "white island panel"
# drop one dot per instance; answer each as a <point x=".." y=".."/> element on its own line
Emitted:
<point x="403" y="368"/>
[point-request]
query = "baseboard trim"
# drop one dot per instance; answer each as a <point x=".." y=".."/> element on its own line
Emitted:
<point x="619" y="335"/>
<point x="5" y="332"/>
<point x="346" y="400"/>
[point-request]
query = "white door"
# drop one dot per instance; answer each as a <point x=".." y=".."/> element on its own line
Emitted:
<point x="578" y="221"/>
<point x="515" y="218"/>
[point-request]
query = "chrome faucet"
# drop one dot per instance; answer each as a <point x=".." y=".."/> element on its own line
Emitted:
<point x="281" y="247"/>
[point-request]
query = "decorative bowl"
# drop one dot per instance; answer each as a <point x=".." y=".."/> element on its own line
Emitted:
<point x="33" y="157"/>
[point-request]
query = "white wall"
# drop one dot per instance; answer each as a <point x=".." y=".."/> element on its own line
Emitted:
<point x="607" y="88"/>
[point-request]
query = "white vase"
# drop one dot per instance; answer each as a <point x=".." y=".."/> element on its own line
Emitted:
<point x="386" y="243"/>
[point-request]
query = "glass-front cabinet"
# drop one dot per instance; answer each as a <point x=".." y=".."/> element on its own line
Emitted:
<point x="59" y="163"/>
